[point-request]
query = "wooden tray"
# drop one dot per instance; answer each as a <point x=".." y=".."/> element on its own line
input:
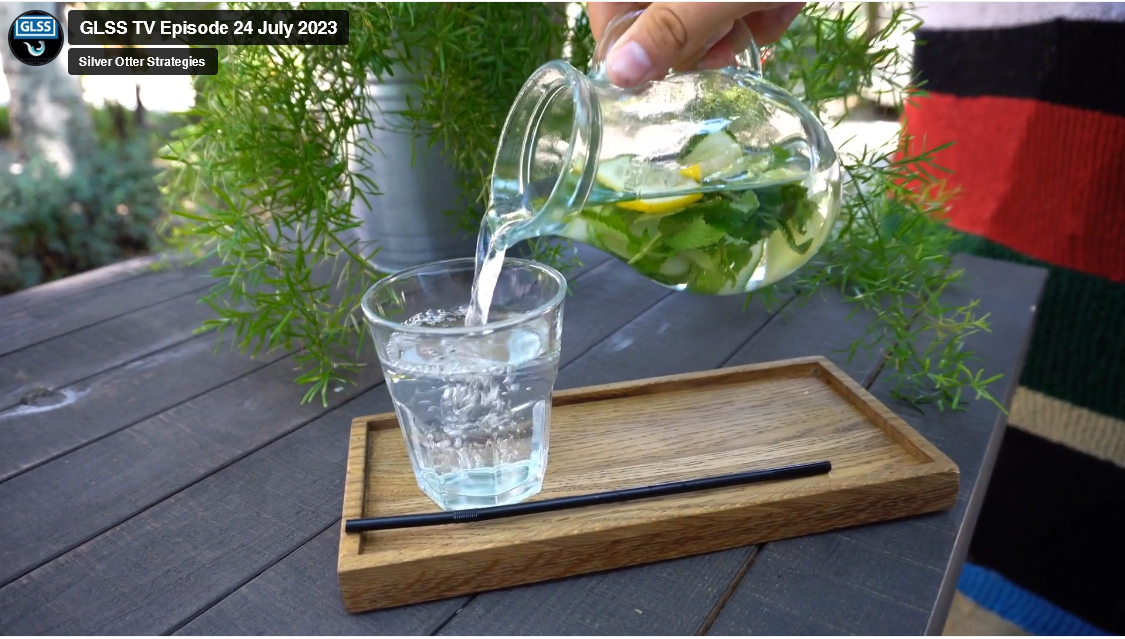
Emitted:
<point x="639" y="433"/>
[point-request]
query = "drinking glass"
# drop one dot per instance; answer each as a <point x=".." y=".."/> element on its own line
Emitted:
<point x="474" y="402"/>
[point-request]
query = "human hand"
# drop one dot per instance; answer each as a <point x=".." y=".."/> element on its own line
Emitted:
<point x="686" y="35"/>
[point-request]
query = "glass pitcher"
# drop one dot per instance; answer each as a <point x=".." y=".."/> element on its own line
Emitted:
<point x="715" y="181"/>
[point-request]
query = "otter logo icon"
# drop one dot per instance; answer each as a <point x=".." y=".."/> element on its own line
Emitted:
<point x="35" y="38"/>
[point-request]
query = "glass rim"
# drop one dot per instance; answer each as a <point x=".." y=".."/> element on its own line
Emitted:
<point x="445" y="266"/>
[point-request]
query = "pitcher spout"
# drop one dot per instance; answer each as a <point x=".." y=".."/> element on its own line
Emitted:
<point x="547" y="156"/>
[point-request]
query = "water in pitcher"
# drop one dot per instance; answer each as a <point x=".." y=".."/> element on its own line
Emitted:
<point x="721" y="220"/>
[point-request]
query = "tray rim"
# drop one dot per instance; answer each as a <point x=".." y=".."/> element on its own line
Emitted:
<point x="931" y="461"/>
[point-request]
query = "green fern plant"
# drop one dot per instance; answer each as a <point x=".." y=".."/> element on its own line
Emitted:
<point x="261" y="178"/>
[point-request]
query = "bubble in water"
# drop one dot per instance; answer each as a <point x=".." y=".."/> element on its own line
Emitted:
<point x="523" y="345"/>
<point x="439" y="318"/>
<point x="633" y="175"/>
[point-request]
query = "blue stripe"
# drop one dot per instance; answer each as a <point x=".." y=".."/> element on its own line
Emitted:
<point x="1026" y="610"/>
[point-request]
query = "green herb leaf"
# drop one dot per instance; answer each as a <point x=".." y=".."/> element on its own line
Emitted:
<point x="708" y="282"/>
<point x="781" y="155"/>
<point x="747" y="202"/>
<point x="693" y="232"/>
<point x="609" y="221"/>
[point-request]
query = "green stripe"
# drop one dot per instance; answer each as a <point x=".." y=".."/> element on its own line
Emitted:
<point x="1077" y="351"/>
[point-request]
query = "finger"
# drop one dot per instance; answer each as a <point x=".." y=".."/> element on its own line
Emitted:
<point x="600" y="13"/>
<point x="715" y="39"/>
<point x="724" y="52"/>
<point x="768" y="26"/>
<point x="668" y="34"/>
<point x="738" y="40"/>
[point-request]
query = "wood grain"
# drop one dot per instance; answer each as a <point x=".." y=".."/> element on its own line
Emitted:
<point x="55" y="361"/>
<point x="678" y="596"/>
<point x="80" y="283"/>
<point x="62" y="360"/>
<point x="80" y="413"/>
<point x="57" y="317"/>
<point x="633" y="434"/>
<point x="670" y="597"/>
<point x="900" y="578"/>
<point x="682" y="333"/>
<point x="186" y="489"/>
<point x="86" y="492"/>
<point x="205" y="545"/>
<point x="271" y="604"/>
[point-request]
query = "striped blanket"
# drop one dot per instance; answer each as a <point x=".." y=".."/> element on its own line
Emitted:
<point x="1032" y="96"/>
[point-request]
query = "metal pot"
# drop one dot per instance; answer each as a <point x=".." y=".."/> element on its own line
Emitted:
<point x="408" y="220"/>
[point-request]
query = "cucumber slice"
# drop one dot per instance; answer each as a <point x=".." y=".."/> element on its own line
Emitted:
<point x="781" y="260"/>
<point x="675" y="266"/>
<point x="719" y="144"/>
<point x="577" y="229"/>
<point x="747" y="272"/>
<point x="613" y="241"/>
<point x="717" y="154"/>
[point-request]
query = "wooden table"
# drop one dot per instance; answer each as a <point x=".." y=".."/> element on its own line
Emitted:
<point x="149" y="485"/>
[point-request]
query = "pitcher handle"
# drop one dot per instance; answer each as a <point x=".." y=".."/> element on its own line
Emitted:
<point x="748" y="59"/>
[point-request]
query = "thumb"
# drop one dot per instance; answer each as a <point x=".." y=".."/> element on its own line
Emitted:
<point x="670" y="34"/>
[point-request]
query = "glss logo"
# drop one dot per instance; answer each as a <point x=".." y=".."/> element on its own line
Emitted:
<point x="35" y="38"/>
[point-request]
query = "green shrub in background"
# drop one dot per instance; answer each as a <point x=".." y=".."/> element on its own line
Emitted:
<point x="106" y="211"/>
<point x="54" y="226"/>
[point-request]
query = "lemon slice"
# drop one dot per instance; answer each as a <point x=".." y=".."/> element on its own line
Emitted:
<point x="613" y="174"/>
<point x="695" y="172"/>
<point x="717" y="153"/>
<point x="661" y="205"/>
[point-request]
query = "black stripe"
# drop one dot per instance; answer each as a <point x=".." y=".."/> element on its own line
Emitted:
<point x="1070" y="63"/>
<point x="1052" y="522"/>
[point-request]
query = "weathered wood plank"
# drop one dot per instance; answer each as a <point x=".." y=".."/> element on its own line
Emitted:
<point x="75" y="356"/>
<point x="587" y="609"/>
<point x="817" y="326"/>
<point x="75" y="415"/>
<point x="270" y="603"/>
<point x="98" y="404"/>
<point x="88" y="281"/>
<point x="666" y="339"/>
<point x="207" y="558"/>
<point x="95" y="557"/>
<point x="674" y="597"/>
<point x="899" y="578"/>
<point x="80" y="495"/>
<point x="41" y="322"/>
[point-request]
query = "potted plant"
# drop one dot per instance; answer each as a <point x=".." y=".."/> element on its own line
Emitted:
<point x="413" y="219"/>
<point x="268" y="176"/>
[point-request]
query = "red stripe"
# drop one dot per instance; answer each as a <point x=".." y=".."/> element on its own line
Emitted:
<point x="1042" y="179"/>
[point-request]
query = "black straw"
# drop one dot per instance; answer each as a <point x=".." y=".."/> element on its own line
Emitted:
<point x="795" y="471"/>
